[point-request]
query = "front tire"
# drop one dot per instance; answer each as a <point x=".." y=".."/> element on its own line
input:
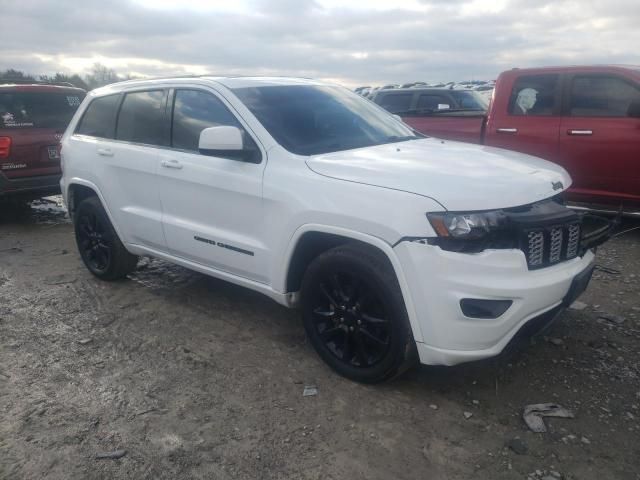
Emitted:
<point x="100" y="248"/>
<point x="355" y="316"/>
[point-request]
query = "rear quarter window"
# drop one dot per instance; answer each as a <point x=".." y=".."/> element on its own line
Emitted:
<point x="38" y="109"/>
<point x="98" y="119"/>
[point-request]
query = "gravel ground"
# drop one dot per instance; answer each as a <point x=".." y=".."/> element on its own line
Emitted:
<point x="183" y="376"/>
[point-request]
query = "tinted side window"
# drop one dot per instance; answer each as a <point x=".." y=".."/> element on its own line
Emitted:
<point x="601" y="96"/>
<point x="534" y="95"/>
<point x="142" y="118"/>
<point x="469" y="100"/>
<point x="433" y="102"/>
<point x="193" y="111"/>
<point x="396" y="102"/>
<point x="99" y="117"/>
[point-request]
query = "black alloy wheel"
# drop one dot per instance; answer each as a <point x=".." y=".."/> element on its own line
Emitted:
<point x="354" y="314"/>
<point x="351" y="321"/>
<point x="95" y="247"/>
<point x="100" y="247"/>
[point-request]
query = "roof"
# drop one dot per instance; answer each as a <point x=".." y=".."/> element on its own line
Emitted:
<point x="577" y="69"/>
<point x="239" y="82"/>
<point x="229" y="82"/>
<point x="423" y="89"/>
<point x="38" y="87"/>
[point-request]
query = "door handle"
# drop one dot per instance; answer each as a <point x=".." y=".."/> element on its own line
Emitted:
<point x="507" y="130"/>
<point x="580" y="132"/>
<point x="105" y="152"/>
<point x="171" y="164"/>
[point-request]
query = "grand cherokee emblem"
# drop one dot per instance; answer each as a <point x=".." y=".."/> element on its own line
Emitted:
<point x="557" y="185"/>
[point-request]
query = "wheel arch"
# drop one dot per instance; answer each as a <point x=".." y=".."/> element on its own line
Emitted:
<point x="77" y="190"/>
<point x="309" y="241"/>
<point x="76" y="193"/>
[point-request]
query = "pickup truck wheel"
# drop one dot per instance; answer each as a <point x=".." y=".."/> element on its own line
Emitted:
<point x="354" y="314"/>
<point x="100" y="248"/>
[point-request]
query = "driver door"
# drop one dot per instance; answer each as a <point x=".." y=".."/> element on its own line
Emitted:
<point x="212" y="210"/>
<point x="533" y="128"/>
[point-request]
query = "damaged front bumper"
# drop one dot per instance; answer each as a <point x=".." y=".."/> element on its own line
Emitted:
<point x="596" y="230"/>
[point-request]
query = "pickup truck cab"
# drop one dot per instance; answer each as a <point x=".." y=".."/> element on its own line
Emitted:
<point x="33" y="118"/>
<point x="462" y="111"/>
<point x="586" y="119"/>
<point x="394" y="246"/>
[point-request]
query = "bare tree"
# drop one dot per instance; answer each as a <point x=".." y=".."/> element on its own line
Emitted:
<point x="74" y="79"/>
<point x="12" y="74"/>
<point x="101" y="75"/>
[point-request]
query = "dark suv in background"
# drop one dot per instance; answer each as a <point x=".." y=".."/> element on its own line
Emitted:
<point x="33" y="118"/>
<point x="406" y="101"/>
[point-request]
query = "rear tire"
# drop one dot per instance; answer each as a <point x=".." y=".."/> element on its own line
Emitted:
<point x="355" y="316"/>
<point x="100" y="248"/>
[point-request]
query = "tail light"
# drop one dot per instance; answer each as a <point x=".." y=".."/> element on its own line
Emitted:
<point x="5" y="147"/>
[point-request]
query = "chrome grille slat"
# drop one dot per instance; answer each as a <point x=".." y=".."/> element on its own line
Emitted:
<point x="536" y="248"/>
<point x="550" y="245"/>
<point x="574" y="240"/>
<point x="555" y="250"/>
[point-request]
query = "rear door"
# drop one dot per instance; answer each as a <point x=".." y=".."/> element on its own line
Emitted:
<point x="599" y="139"/>
<point x="118" y="140"/>
<point x="212" y="205"/>
<point x="529" y="122"/>
<point x="34" y="119"/>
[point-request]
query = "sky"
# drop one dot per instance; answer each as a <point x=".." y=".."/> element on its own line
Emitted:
<point x="358" y="42"/>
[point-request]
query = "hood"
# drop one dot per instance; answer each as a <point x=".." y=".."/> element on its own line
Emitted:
<point x="460" y="176"/>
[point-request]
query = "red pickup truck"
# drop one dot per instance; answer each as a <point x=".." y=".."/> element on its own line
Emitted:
<point x="586" y="119"/>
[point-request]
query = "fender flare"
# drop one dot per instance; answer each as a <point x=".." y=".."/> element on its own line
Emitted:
<point x="85" y="183"/>
<point x="380" y="244"/>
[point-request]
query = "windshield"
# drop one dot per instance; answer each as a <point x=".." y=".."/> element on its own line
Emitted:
<point x="38" y="109"/>
<point x="469" y="100"/>
<point x="316" y="119"/>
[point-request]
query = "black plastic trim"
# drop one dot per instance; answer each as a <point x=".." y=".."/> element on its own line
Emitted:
<point x="45" y="184"/>
<point x="482" y="308"/>
<point x="224" y="245"/>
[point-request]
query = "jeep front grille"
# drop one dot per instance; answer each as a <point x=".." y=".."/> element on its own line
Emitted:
<point x="550" y="245"/>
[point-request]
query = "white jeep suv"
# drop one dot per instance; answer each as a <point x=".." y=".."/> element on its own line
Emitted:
<point x="396" y="247"/>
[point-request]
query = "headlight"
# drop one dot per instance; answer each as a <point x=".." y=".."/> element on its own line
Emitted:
<point x="466" y="225"/>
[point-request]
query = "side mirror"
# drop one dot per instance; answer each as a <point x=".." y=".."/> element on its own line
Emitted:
<point x="634" y="109"/>
<point x="218" y="141"/>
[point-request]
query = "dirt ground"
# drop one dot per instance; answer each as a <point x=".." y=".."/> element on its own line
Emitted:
<point x="195" y="378"/>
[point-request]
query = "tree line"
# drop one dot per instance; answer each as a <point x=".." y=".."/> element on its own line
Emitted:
<point x="99" y="76"/>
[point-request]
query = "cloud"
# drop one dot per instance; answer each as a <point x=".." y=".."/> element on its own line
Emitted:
<point x="359" y="42"/>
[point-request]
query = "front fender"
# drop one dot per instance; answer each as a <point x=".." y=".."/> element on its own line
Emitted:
<point x="383" y="246"/>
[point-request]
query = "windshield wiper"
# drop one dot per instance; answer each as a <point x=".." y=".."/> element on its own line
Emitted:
<point x="397" y="138"/>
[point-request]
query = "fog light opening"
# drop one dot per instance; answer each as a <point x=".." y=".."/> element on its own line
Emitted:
<point x="480" y="308"/>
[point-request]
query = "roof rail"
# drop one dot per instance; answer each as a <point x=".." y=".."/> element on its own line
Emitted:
<point x="24" y="81"/>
